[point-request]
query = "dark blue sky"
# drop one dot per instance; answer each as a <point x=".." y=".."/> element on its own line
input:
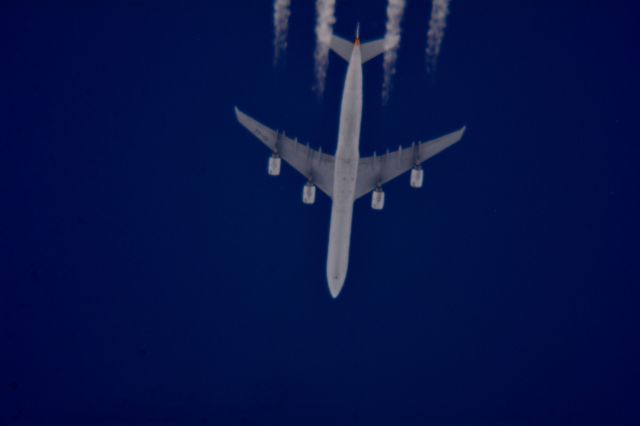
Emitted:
<point x="150" y="270"/>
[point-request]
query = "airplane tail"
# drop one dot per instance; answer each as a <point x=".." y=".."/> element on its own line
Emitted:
<point x="368" y="50"/>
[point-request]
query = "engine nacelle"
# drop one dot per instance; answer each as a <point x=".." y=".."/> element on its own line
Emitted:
<point x="417" y="176"/>
<point x="377" y="199"/>
<point x="309" y="193"/>
<point x="274" y="165"/>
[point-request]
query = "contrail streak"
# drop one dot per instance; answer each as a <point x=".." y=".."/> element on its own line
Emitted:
<point x="324" y="28"/>
<point x="395" y="10"/>
<point x="281" y="13"/>
<point x="437" y="24"/>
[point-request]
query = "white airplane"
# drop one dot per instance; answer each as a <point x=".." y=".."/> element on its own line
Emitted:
<point x="346" y="177"/>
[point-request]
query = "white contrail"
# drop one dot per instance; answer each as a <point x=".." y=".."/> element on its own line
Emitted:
<point x="281" y="13"/>
<point x="437" y="24"/>
<point x="395" y="10"/>
<point x="324" y="28"/>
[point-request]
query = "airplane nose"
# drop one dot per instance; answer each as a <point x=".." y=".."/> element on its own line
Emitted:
<point x="335" y="284"/>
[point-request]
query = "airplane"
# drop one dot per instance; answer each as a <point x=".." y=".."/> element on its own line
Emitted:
<point x="346" y="177"/>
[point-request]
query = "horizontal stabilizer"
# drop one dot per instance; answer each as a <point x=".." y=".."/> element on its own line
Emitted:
<point x="371" y="49"/>
<point x="342" y="47"/>
<point x="368" y="50"/>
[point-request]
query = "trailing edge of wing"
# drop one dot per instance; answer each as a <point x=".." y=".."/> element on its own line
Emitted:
<point x="314" y="165"/>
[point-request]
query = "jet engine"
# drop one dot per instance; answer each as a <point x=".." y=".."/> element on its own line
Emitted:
<point x="309" y="193"/>
<point x="377" y="199"/>
<point x="417" y="176"/>
<point x="274" y="165"/>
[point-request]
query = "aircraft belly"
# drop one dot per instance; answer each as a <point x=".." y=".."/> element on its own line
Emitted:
<point x="340" y="228"/>
<point x="346" y="171"/>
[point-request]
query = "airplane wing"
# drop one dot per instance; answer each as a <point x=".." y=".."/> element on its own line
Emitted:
<point x="378" y="170"/>
<point x="314" y="165"/>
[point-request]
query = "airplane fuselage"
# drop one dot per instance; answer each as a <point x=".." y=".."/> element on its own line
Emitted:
<point x="345" y="177"/>
<point x="345" y="173"/>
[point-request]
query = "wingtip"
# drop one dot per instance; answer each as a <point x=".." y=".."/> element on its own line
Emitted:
<point x="237" y="112"/>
